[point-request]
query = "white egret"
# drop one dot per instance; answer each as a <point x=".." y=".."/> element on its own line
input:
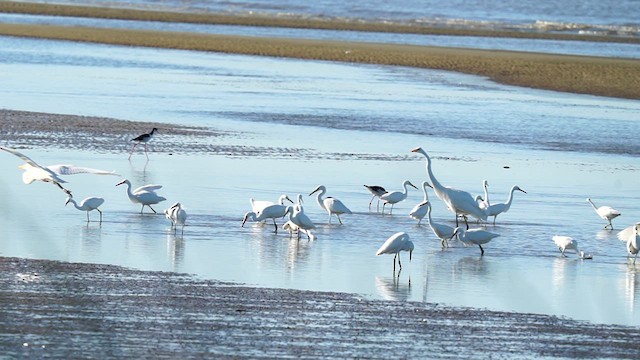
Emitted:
<point x="143" y="139"/>
<point x="376" y="191"/>
<point x="631" y="235"/>
<point x="258" y="205"/>
<point x="606" y="213"/>
<point x="458" y="201"/>
<point x="396" y="243"/>
<point x="168" y="213"/>
<point x="145" y="195"/>
<point x="442" y="231"/>
<point x="179" y="217"/>
<point x="565" y="243"/>
<point x="474" y="236"/>
<point x="394" y="197"/>
<point x="419" y="211"/>
<point x="484" y="203"/>
<point x="291" y="228"/>
<point x="270" y="212"/>
<point x="88" y="204"/>
<point x="330" y="204"/>
<point x="497" y="209"/>
<point x="301" y="221"/>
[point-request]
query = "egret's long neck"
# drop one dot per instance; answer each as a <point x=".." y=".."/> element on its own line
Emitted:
<point x="319" y="198"/>
<point x="129" y="193"/>
<point x="508" y="203"/>
<point x="426" y="196"/>
<point x="75" y="204"/>
<point x="593" y="205"/>
<point x="486" y="194"/>
<point x="429" y="212"/>
<point x="437" y="187"/>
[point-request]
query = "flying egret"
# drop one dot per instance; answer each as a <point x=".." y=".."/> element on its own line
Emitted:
<point x="376" y="191"/>
<point x="144" y="195"/>
<point x="330" y="204"/>
<point x="474" y="236"/>
<point x="605" y="212"/>
<point x="258" y="205"/>
<point x="88" y="204"/>
<point x="565" y="243"/>
<point x="458" y="201"/>
<point x="497" y="209"/>
<point x="398" y="242"/>
<point x="419" y="211"/>
<point x="143" y="139"/>
<point x="395" y="197"/>
<point x="301" y="221"/>
<point x="273" y="212"/>
<point x="631" y="235"/>
<point x="442" y="231"/>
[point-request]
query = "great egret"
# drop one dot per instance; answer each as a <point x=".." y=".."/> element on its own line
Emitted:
<point x="474" y="236"/>
<point x="258" y="205"/>
<point x="497" y="209"/>
<point x="419" y="211"/>
<point x="458" y="201"/>
<point x="376" y="191"/>
<point x="88" y="204"/>
<point x="442" y="231"/>
<point x="396" y="243"/>
<point x="565" y="243"/>
<point x="395" y="197"/>
<point x="144" y="195"/>
<point x="301" y="221"/>
<point x="330" y="204"/>
<point x="273" y="212"/>
<point x="631" y="235"/>
<point x="143" y="139"/>
<point x="605" y="212"/>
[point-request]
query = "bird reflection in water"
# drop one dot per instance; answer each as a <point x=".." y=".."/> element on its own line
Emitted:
<point x="175" y="250"/>
<point x="392" y="288"/>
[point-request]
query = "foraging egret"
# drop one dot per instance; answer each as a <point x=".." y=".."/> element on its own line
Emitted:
<point x="291" y="228"/>
<point x="258" y="205"/>
<point x="270" y="212"/>
<point x="497" y="209"/>
<point x="144" y="195"/>
<point x="606" y="213"/>
<point x="168" y="213"/>
<point x="484" y="203"/>
<point x="330" y="204"/>
<point x="179" y="217"/>
<point x="398" y="242"/>
<point x="419" y="211"/>
<point x="565" y="243"/>
<point x="143" y="139"/>
<point x="376" y="191"/>
<point x="474" y="236"/>
<point x="631" y="235"/>
<point x="88" y="204"/>
<point x="442" y="231"/>
<point x="300" y="220"/>
<point x="395" y="197"/>
<point x="458" y="201"/>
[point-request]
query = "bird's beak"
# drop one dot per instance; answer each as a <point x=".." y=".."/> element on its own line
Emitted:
<point x="313" y="192"/>
<point x="120" y="183"/>
<point x="68" y="199"/>
<point x="244" y="221"/>
<point x="410" y="253"/>
<point x="416" y="149"/>
<point x="523" y="191"/>
<point x="413" y="186"/>
<point x="291" y="201"/>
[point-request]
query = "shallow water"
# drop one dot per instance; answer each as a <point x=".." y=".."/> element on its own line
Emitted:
<point x="366" y="118"/>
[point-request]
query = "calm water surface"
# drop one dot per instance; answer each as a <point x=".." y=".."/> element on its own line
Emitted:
<point x="561" y="159"/>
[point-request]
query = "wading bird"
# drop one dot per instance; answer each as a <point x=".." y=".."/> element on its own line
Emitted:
<point x="394" y="197"/>
<point x="631" y="235"/>
<point x="605" y="212"/>
<point x="143" y="139"/>
<point x="258" y="205"/>
<point x="474" y="236"/>
<point x="300" y="220"/>
<point x="168" y="213"/>
<point x="398" y="242"/>
<point x="565" y="243"/>
<point x="419" y="211"/>
<point x="442" y="231"/>
<point x="376" y="191"/>
<point x="330" y="204"/>
<point x="458" y="201"/>
<point x="144" y="195"/>
<point x="178" y="217"/>
<point x="88" y="204"/>
<point x="270" y="212"/>
<point x="497" y="209"/>
<point x="484" y="203"/>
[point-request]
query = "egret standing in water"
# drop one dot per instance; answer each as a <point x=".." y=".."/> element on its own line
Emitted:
<point x="376" y="191"/>
<point x="398" y="242"/>
<point x="484" y="203"/>
<point x="143" y="139"/>
<point x="631" y="235"/>
<point x="144" y="195"/>
<point x="300" y="221"/>
<point x="607" y="213"/>
<point x="88" y="204"/>
<point x="458" y="201"/>
<point x="565" y="243"/>
<point x="270" y="212"/>
<point x="330" y="204"/>
<point x="474" y="236"/>
<point x="497" y="209"/>
<point x="442" y="231"/>
<point x="395" y="197"/>
<point x="419" y="211"/>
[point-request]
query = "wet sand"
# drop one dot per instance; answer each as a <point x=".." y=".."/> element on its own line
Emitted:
<point x="55" y="309"/>
<point x="576" y="74"/>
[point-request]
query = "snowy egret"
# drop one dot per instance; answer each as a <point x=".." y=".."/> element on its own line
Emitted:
<point x="301" y="221"/>
<point x="88" y="204"/>
<point x="631" y="235"/>
<point x="330" y="204"/>
<point x="606" y="213"/>
<point x="144" y="195"/>
<point x="143" y="139"/>
<point x="458" y="201"/>
<point x="565" y="243"/>
<point x="376" y="191"/>
<point x="419" y="211"/>
<point x="398" y="242"/>
<point x="497" y="209"/>
<point x="273" y="212"/>
<point x="442" y="231"/>
<point x="168" y="213"/>
<point x="179" y="217"/>
<point x="258" y="205"/>
<point x="395" y="197"/>
<point x="474" y="236"/>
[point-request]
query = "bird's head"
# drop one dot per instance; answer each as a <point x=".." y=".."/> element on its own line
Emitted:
<point x="154" y="130"/>
<point x="246" y="217"/>
<point x="410" y="184"/>
<point x="316" y="190"/>
<point x="286" y="197"/>
<point x="418" y="149"/>
<point x="485" y="183"/>
<point x="426" y="184"/>
<point x="411" y="247"/>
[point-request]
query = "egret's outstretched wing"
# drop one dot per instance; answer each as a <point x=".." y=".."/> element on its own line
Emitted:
<point x="627" y="233"/>
<point x="22" y="156"/>
<point x="73" y="170"/>
<point x="150" y="187"/>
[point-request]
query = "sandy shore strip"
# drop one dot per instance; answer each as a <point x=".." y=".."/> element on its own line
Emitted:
<point x="610" y="77"/>
<point x="61" y="310"/>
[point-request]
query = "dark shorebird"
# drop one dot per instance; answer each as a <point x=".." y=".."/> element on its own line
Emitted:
<point x="376" y="191"/>
<point x="144" y="138"/>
